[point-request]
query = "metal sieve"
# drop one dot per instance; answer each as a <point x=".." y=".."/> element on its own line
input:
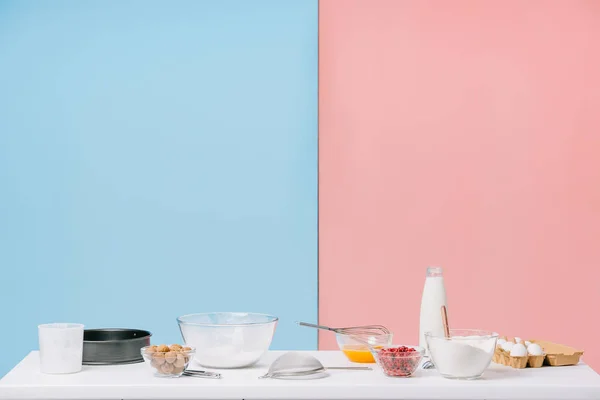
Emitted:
<point x="295" y="364"/>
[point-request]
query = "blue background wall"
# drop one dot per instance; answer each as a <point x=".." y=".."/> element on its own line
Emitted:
<point x="157" y="159"/>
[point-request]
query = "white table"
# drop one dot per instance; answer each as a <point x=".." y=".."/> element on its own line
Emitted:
<point x="137" y="382"/>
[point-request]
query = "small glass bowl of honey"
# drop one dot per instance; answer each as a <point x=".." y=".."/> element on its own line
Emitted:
<point x="357" y="348"/>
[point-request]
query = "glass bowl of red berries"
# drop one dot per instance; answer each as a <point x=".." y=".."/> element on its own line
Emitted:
<point x="398" y="360"/>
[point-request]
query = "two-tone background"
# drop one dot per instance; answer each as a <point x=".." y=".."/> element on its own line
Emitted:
<point x="301" y="158"/>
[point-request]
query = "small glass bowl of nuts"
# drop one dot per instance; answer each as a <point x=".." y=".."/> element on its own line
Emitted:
<point x="168" y="361"/>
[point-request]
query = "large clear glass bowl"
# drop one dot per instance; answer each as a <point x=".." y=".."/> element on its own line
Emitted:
<point x="228" y="339"/>
<point x="465" y="355"/>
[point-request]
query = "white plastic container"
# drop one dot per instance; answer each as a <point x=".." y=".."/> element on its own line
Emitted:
<point x="61" y="348"/>
<point x="434" y="297"/>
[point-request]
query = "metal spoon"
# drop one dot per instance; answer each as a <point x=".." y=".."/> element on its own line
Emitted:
<point x="201" y="374"/>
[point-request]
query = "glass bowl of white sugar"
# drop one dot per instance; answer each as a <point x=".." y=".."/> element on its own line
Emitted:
<point x="466" y="354"/>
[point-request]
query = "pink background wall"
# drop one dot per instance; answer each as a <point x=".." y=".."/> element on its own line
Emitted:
<point x="463" y="134"/>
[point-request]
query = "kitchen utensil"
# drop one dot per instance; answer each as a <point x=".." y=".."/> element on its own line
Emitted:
<point x="428" y="364"/>
<point x="294" y="364"/>
<point x="465" y="354"/>
<point x="201" y="374"/>
<point x="365" y="330"/>
<point x="445" y="322"/>
<point x="355" y="341"/>
<point x="398" y="364"/>
<point x="114" y="346"/>
<point x="228" y="339"/>
<point x="170" y="363"/>
<point x="61" y="347"/>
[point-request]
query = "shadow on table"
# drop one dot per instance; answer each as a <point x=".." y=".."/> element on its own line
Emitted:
<point x="497" y="374"/>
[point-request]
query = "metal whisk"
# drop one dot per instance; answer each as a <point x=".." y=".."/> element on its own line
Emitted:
<point x="366" y="330"/>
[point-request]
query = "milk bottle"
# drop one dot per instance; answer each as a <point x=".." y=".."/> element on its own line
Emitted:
<point x="434" y="297"/>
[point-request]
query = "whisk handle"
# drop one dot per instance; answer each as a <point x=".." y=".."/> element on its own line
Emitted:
<point x="326" y="328"/>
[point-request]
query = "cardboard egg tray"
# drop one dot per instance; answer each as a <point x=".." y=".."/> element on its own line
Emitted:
<point x="555" y="355"/>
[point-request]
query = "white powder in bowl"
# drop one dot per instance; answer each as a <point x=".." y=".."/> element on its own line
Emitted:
<point x="461" y="357"/>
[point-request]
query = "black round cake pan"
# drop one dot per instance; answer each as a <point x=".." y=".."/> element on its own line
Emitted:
<point x="114" y="346"/>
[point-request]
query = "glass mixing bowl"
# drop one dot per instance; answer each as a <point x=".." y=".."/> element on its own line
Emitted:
<point x="356" y="349"/>
<point x="228" y="339"/>
<point x="168" y="364"/>
<point x="399" y="360"/>
<point x="465" y="355"/>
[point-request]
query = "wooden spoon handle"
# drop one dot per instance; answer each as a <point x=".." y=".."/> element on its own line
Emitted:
<point x="445" y="322"/>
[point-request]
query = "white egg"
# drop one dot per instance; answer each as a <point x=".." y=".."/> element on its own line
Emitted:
<point x="500" y="342"/>
<point x="535" y="349"/>
<point x="507" y="346"/>
<point x="518" y="340"/>
<point x="527" y="343"/>
<point x="518" y="350"/>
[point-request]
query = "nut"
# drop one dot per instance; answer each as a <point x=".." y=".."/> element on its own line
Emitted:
<point x="163" y="348"/>
<point x="167" y="368"/>
<point x="177" y="370"/>
<point x="180" y="361"/>
<point x="168" y="360"/>
<point x="158" y="358"/>
<point x="170" y="357"/>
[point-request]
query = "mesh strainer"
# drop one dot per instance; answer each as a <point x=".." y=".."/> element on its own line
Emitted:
<point x="295" y="364"/>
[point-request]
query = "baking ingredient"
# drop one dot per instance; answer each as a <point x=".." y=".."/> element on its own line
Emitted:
<point x="168" y="360"/>
<point x="518" y="340"/>
<point x="163" y="348"/>
<point x="500" y="342"/>
<point x="359" y="354"/>
<point x="180" y="361"/>
<point x="398" y="361"/>
<point x="170" y="357"/>
<point x="357" y="347"/>
<point x="158" y="359"/>
<point x="518" y="350"/>
<point x="434" y="297"/>
<point x="460" y="358"/>
<point x="507" y="346"/>
<point x="535" y="349"/>
<point x="167" y="368"/>
<point x="527" y="343"/>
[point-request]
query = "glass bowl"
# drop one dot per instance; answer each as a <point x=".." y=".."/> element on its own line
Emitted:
<point x="356" y="347"/>
<point x="228" y="339"/>
<point x="465" y="355"/>
<point x="398" y="360"/>
<point x="168" y="364"/>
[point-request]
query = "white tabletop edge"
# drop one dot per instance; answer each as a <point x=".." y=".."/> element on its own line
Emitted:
<point x="24" y="382"/>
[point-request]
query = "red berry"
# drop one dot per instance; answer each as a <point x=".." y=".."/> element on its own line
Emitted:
<point x="398" y="361"/>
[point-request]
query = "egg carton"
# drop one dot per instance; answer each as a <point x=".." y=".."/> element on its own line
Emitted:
<point x="554" y="355"/>
<point x="558" y="354"/>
